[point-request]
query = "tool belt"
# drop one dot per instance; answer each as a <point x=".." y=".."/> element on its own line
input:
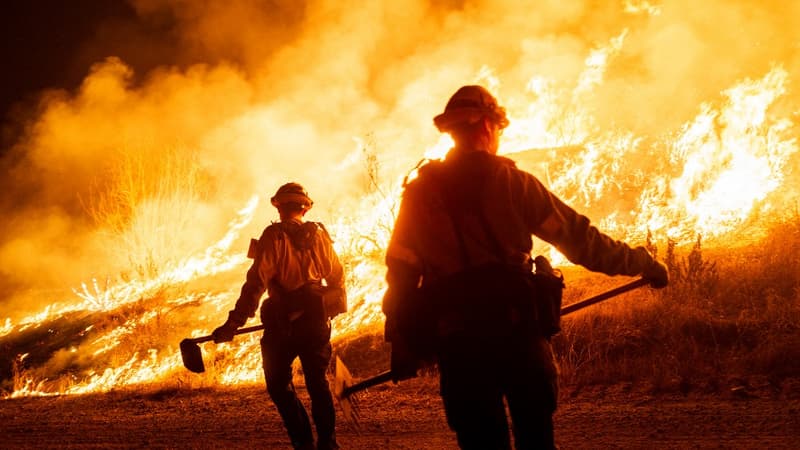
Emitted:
<point x="490" y="300"/>
<point x="312" y="306"/>
<point x="547" y="285"/>
<point x="334" y="299"/>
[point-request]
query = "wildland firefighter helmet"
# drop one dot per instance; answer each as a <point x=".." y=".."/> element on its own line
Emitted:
<point x="468" y="105"/>
<point x="292" y="193"/>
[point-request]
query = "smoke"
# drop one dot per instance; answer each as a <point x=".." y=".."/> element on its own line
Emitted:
<point x="690" y="52"/>
<point x="235" y="98"/>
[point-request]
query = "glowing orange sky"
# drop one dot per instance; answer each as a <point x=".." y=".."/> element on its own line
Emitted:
<point x="677" y="117"/>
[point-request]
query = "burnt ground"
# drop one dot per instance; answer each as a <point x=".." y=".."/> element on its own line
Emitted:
<point x="404" y="416"/>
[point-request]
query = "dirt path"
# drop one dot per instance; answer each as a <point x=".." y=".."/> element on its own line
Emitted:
<point x="408" y="416"/>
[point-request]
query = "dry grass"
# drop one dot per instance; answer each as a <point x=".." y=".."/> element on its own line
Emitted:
<point x="146" y="202"/>
<point x="728" y="319"/>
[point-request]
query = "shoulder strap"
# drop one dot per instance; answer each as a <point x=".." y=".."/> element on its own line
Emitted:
<point x="325" y="230"/>
<point x="422" y="162"/>
<point x="314" y="256"/>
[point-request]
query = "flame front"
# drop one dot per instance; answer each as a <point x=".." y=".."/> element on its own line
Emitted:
<point x="724" y="166"/>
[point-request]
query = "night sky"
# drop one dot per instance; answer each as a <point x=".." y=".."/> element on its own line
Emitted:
<point x="53" y="43"/>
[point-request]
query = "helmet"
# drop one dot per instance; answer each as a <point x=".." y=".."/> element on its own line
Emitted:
<point x="292" y="193"/>
<point x="469" y="104"/>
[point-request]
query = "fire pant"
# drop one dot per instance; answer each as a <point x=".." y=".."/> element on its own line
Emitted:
<point x="478" y="372"/>
<point x="312" y="345"/>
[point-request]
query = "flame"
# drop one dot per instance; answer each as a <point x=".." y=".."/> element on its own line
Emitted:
<point x="732" y="158"/>
<point x="719" y="167"/>
<point x="215" y="259"/>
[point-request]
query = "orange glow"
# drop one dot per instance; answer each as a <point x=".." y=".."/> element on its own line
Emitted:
<point x="629" y="119"/>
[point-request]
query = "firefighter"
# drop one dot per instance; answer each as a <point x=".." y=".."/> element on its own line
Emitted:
<point x="458" y="262"/>
<point x="291" y="259"/>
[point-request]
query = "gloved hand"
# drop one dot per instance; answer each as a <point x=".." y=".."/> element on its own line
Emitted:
<point x="224" y="333"/>
<point x="657" y="275"/>
<point x="404" y="361"/>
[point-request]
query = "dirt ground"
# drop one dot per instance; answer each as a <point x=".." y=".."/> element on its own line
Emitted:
<point x="404" y="416"/>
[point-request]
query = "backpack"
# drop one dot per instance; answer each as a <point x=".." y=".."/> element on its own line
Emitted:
<point x="315" y="299"/>
<point x="463" y="302"/>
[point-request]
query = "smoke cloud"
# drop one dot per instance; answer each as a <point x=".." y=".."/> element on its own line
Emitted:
<point x="148" y="159"/>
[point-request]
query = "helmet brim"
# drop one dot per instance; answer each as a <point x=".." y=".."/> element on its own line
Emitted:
<point x="468" y="115"/>
<point x="290" y="197"/>
<point x="446" y="120"/>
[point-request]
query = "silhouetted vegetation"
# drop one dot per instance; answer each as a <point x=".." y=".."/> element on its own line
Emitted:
<point x="726" y="321"/>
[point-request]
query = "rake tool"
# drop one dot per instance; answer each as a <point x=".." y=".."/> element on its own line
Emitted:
<point x="192" y="355"/>
<point x="344" y="388"/>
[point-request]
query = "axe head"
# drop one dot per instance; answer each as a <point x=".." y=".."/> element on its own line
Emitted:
<point x="192" y="356"/>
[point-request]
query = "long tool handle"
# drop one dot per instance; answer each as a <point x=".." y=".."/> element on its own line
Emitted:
<point x="604" y="296"/>
<point x="201" y="339"/>
<point x="368" y="383"/>
<point x="387" y="376"/>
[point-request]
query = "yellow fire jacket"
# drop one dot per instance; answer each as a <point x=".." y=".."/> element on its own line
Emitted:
<point x="475" y="208"/>
<point x="276" y="259"/>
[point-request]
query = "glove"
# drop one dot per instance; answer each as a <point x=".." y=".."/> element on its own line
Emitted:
<point x="657" y="275"/>
<point x="224" y="333"/>
<point x="404" y="361"/>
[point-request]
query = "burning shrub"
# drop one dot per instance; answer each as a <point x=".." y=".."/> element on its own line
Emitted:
<point x="147" y="203"/>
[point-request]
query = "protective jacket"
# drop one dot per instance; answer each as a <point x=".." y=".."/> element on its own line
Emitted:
<point x="476" y="209"/>
<point x="287" y="256"/>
